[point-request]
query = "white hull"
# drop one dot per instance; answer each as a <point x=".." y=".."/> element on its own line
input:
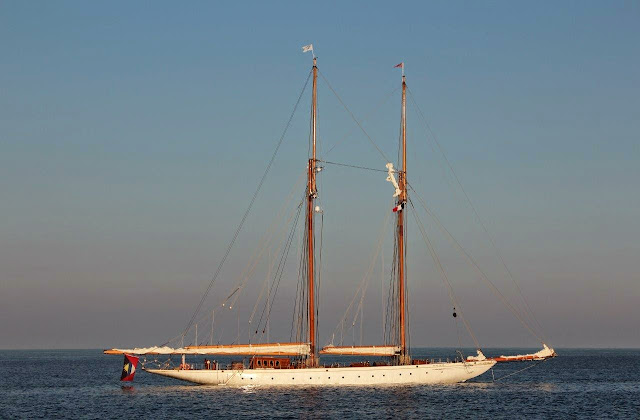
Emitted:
<point x="429" y="374"/>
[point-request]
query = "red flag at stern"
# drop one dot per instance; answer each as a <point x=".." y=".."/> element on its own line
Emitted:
<point x="129" y="368"/>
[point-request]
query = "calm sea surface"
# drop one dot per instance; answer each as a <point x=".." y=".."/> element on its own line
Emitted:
<point x="85" y="384"/>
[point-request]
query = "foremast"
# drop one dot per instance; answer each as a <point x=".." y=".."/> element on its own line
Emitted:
<point x="312" y="193"/>
<point x="400" y="230"/>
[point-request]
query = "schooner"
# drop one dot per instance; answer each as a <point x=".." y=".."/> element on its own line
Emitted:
<point x="298" y="363"/>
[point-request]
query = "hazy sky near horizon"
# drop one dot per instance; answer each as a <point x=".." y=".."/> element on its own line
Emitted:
<point x="132" y="136"/>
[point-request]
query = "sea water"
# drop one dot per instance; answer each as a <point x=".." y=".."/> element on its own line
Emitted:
<point x="579" y="383"/>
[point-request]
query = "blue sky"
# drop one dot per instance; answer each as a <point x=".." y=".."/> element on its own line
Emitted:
<point x="133" y="135"/>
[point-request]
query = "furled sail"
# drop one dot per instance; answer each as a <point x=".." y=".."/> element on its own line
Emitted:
<point x="545" y="353"/>
<point x="362" y="350"/>
<point x="268" y="349"/>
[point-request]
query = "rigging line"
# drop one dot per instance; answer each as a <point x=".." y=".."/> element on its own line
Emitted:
<point x="361" y="321"/>
<point x="392" y="304"/>
<point x="476" y="266"/>
<point x="353" y="117"/>
<point x="181" y="335"/>
<point x="354" y="166"/>
<point x="521" y="370"/>
<point x="319" y="277"/>
<point x="300" y="285"/>
<point x="473" y="263"/>
<point x="399" y="154"/>
<point x="271" y="230"/>
<point x="299" y="295"/>
<point x="475" y="212"/>
<point x="302" y="298"/>
<point x="366" y="280"/>
<point x="382" y="307"/>
<point x="315" y="268"/>
<point x="271" y="264"/>
<point x="364" y="283"/>
<point x="253" y="199"/>
<point x="364" y="119"/>
<point x="281" y="266"/>
<point x="406" y="280"/>
<point x="443" y="274"/>
<point x="455" y="321"/>
<point x="251" y="265"/>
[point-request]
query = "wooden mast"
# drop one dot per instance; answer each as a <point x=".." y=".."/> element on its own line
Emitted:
<point x="312" y="194"/>
<point x="402" y="199"/>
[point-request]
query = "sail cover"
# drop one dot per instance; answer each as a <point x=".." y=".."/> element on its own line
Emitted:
<point x="269" y="349"/>
<point x="362" y="350"/>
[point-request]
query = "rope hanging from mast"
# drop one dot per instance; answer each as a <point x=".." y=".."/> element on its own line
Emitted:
<point x="264" y="242"/>
<point x="273" y="231"/>
<point x="456" y="305"/>
<point x="527" y="308"/>
<point x="477" y="268"/>
<point x="279" y="271"/>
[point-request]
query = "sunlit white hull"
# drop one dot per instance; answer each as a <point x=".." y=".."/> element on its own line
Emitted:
<point x="435" y="373"/>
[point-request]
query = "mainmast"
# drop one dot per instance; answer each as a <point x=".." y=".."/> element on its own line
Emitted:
<point x="401" y="205"/>
<point x="312" y="193"/>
